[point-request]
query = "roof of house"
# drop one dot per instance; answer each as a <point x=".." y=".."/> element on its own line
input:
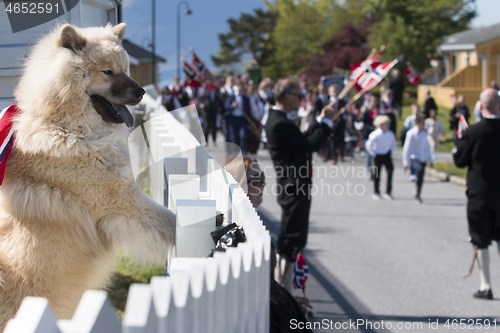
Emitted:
<point x="139" y="53"/>
<point x="468" y="39"/>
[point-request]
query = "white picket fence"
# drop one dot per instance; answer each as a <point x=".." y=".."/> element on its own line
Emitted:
<point x="226" y="293"/>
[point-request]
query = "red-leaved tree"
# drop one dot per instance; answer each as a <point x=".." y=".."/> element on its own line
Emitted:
<point x="348" y="47"/>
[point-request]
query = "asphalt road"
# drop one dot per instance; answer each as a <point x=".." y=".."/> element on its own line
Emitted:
<point x="386" y="266"/>
<point x="389" y="266"/>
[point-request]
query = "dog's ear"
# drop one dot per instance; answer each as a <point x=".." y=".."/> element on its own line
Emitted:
<point x="119" y="30"/>
<point x="70" y="39"/>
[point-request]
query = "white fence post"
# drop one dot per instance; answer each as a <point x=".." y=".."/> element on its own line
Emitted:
<point x="94" y="314"/>
<point x="34" y="316"/>
<point x="140" y="315"/>
<point x="195" y="222"/>
<point x="171" y="166"/>
<point x="182" y="187"/>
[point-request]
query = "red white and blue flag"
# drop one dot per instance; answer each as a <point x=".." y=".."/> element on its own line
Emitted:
<point x="366" y="66"/>
<point x="190" y="78"/>
<point x="300" y="272"/>
<point x="6" y="136"/>
<point x="200" y="66"/>
<point x="462" y="126"/>
<point x="412" y="75"/>
<point x="370" y="80"/>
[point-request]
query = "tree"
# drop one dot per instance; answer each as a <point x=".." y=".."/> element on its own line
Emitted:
<point x="415" y="28"/>
<point x="299" y="30"/>
<point x="346" y="48"/>
<point x="250" y="34"/>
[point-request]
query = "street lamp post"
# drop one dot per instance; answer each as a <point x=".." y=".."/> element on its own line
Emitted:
<point x="153" y="60"/>
<point x="188" y="12"/>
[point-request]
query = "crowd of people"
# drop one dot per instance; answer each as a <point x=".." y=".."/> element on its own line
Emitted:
<point x="292" y="122"/>
<point x="238" y="107"/>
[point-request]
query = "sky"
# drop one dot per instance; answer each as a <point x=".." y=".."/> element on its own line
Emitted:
<point x="208" y="19"/>
<point x="199" y="30"/>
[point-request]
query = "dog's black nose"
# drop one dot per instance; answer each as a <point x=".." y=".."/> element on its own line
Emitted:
<point x="139" y="92"/>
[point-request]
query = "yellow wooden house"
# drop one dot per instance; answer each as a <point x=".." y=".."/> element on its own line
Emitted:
<point x="472" y="62"/>
<point x="140" y="63"/>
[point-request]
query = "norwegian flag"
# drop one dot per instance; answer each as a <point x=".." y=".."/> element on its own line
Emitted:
<point x="412" y="75"/>
<point x="200" y="66"/>
<point x="6" y="136"/>
<point x="300" y="272"/>
<point x="462" y="126"/>
<point x="366" y="66"/>
<point x="191" y="77"/>
<point x="369" y="80"/>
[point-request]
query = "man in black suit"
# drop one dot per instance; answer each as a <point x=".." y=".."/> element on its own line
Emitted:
<point x="210" y="105"/>
<point x="479" y="149"/>
<point x="397" y="85"/>
<point x="430" y="104"/>
<point x="291" y="151"/>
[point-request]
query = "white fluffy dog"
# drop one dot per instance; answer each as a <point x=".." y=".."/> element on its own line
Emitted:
<point x="69" y="199"/>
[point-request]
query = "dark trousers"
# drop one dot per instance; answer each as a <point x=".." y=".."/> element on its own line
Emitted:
<point x="337" y="147"/>
<point x="483" y="214"/>
<point x="419" y="168"/>
<point x="210" y="125"/>
<point x="237" y="130"/>
<point x="385" y="160"/>
<point x="295" y="205"/>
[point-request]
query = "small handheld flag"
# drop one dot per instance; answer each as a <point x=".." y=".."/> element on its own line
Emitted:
<point x="412" y="74"/>
<point x="300" y="273"/>
<point x="6" y="136"/>
<point x="462" y="126"/>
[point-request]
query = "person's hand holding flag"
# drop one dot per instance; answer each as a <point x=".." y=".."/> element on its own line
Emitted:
<point x="462" y="126"/>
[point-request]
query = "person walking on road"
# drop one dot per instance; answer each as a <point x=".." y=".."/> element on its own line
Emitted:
<point x="417" y="152"/>
<point x="479" y="149"/>
<point x="291" y="152"/>
<point x="380" y="145"/>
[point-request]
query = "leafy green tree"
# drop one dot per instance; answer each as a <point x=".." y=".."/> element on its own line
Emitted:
<point x="250" y="34"/>
<point x="415" y="28"/>
<point x="299" y="30"/>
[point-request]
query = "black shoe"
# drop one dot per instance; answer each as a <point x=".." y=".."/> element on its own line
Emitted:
<point x="485" y="294"/>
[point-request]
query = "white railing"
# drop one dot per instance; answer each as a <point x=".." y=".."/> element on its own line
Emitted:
<point x="226" y="293"/>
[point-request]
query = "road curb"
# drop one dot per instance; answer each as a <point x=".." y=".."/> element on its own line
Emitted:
<point x="445" y="177"/>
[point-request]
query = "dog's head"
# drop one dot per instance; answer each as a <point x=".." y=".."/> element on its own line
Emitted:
<point x="109" y="87"/>
<point x="78" y="77"/>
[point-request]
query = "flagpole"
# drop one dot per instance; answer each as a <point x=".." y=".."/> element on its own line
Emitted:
<point x="305" y="298"/>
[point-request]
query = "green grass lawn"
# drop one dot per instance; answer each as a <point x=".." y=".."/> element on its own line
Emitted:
<point x="451" y="169"/>
<point x="447" y="142"/>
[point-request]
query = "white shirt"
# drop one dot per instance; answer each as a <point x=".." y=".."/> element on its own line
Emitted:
<point x="238" y="110"/>
<point x="417" y="147"/>
<point x="380" y="143"/>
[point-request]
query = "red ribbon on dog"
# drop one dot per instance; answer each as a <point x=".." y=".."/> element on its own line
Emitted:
<point x="6" y="136"/>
